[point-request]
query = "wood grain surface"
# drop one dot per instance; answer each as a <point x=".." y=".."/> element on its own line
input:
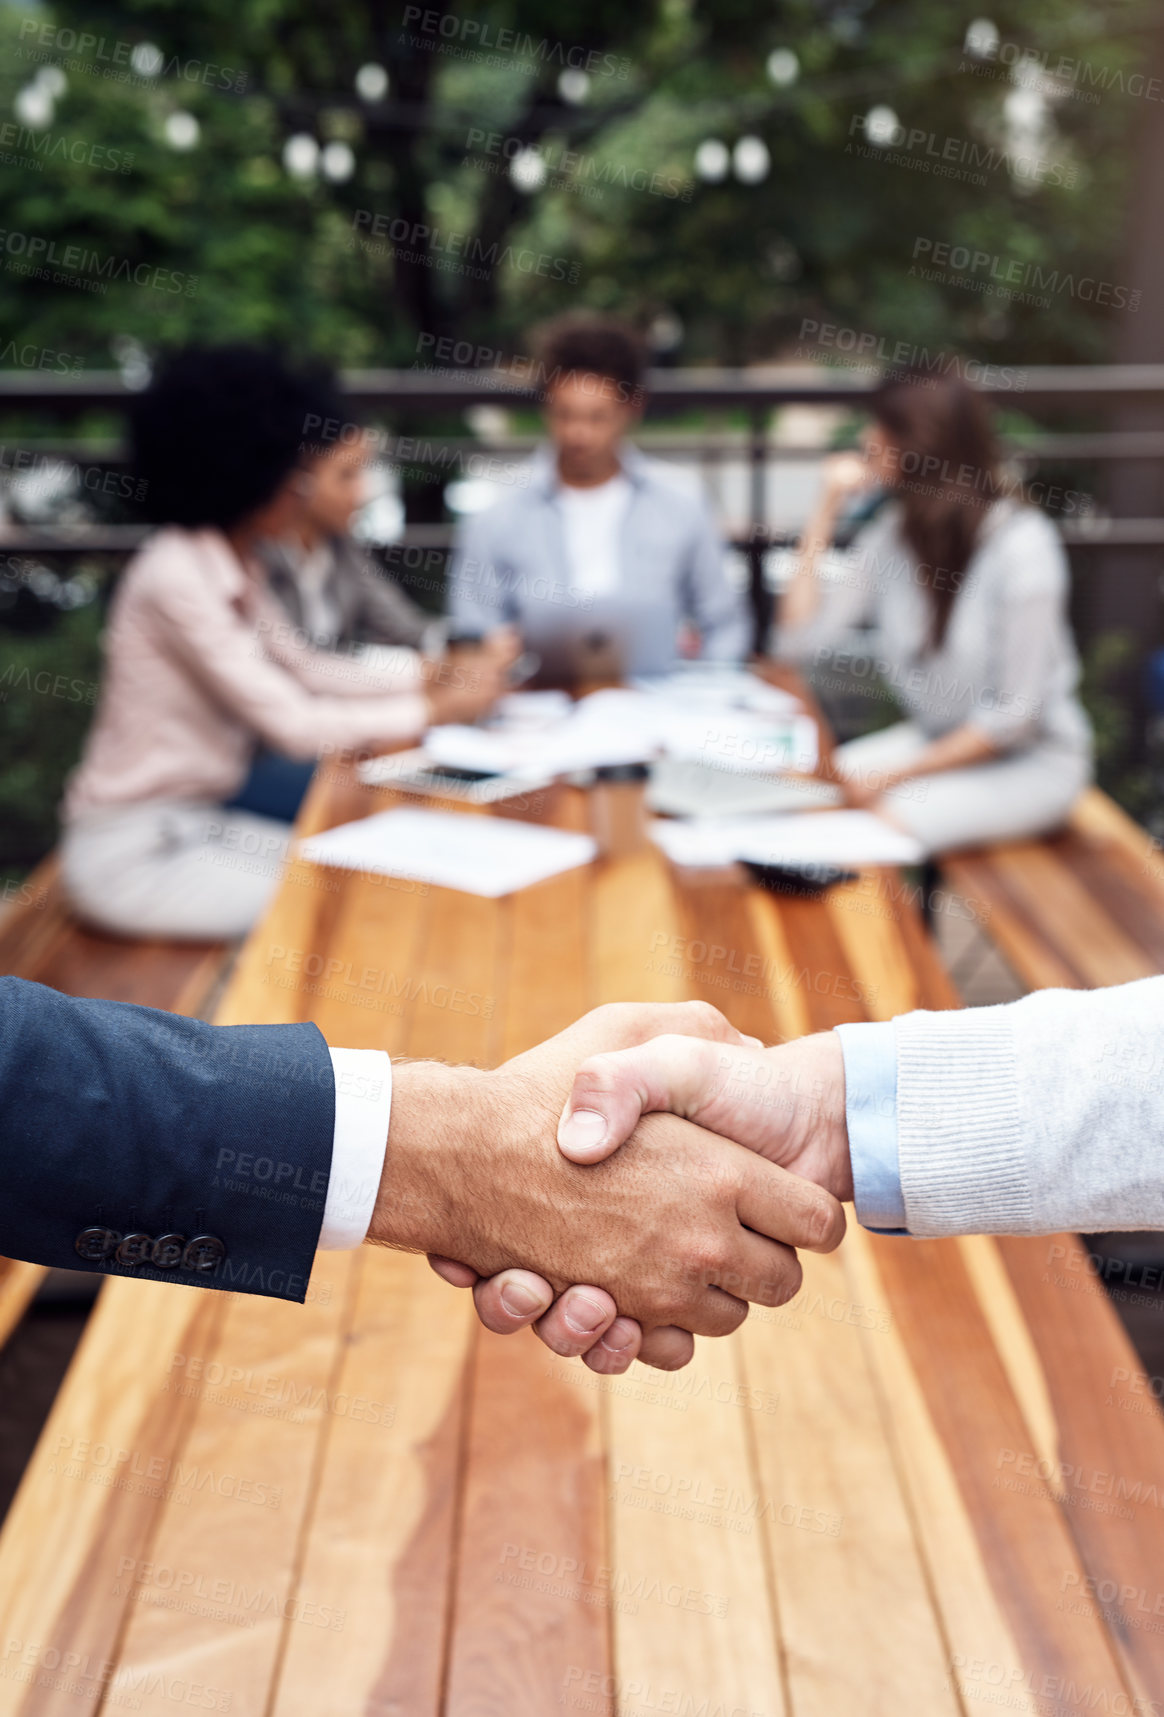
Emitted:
<point x="881" y="1499"/>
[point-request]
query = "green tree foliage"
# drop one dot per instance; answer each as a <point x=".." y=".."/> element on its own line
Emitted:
<point x="831" y="233"/>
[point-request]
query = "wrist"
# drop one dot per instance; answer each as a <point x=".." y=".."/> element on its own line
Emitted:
<point x="435" y="1120"/>
<point x="818" y="1132"/>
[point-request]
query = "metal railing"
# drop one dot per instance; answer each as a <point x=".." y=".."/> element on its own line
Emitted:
<point x="1113" y="411"/>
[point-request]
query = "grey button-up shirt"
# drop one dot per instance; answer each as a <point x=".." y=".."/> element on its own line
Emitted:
<point x="510" y="563"/>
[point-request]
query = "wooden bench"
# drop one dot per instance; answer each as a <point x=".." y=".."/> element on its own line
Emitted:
<point x="41" y="940"/>
<point x="1076" y="910"/>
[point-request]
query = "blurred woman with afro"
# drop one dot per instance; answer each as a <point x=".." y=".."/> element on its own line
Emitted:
<point x="170" y="829"/>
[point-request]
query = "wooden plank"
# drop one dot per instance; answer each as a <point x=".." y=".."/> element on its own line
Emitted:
<point x="548" y="982"/>
<point x="373" y="1589"/>
<point x="666" y="1446"/>
<point x="1049" y="895"/>
<point x="868" y="929"/>
<point x="964" y="1418"/>
<point x="779" y="979"/>
<point x="271" y="983"/>
<point x="685" y="1500"/>
<point x="1097" y="817"/>
<point x="284" y="1353"/>
<point x="37" y="918"/>
<point x="1039" y="963"/>
<point x="722" y="964"/>
<point x="820" y="965"/>
<point x="974" y="1629"/>
<point x="529" y="1614"/>
<point x="842" y="1543"/>
<point x="93" y="1494"/>
<point x="634" y="928"/>
<point x="1025" y="1542"/>
<point x="19" y="1282"/>
<point x="454" y="1011"/>
<point x="378" y="1539"/>
<point x="240" y="1533"/>
<point x="840" y="1538"/>
<point x="1116" y="878"/>
<point x="1110" y="1443"/>
<point x="530" y="1618"/>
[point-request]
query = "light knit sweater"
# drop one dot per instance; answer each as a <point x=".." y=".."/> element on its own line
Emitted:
<point x="1040" y="1115"/>
<point x="1008" y="664"/>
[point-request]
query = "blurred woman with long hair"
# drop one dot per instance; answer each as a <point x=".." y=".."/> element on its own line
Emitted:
<point x="952" y="601"/>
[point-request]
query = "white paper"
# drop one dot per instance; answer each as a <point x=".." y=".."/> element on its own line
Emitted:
<point x="727" y="718"/>
<point x="523" y="710"/>
<point x="490" y="856"/>
<point x="848" y="839"/>
<point x="720" y="683"/>
<point x="683" y="787"/>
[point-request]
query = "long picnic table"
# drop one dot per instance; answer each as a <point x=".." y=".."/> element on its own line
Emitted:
<point x="933" y="1484"/>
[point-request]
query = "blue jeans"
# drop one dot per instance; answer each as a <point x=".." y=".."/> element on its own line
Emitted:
<point x="274" y="787"/>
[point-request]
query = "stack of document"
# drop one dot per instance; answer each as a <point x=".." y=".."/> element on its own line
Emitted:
<point x="728" y="720"/>
<point x="798" y="841"/>
<point x="490" y="856"/>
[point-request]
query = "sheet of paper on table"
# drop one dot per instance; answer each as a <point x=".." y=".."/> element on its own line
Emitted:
<point x="792" y="841"/>
<point x="490" y="856"/>
<point x="689" y="787"/>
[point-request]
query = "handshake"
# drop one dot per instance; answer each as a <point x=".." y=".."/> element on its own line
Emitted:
<point x="650" y="1151"/>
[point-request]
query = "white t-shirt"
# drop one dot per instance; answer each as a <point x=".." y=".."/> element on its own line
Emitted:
<point x="592" y="521"/>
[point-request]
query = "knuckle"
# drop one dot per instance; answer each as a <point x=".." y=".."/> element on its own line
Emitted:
<point x="707" y="1015"/>
<point x="827" y="1223"/>
<point x="705" y="1260"/>
<point x="787" y="1283"/>
<point x="734" y="1313"/>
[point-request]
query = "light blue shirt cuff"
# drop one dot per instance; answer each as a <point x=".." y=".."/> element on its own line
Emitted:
<point x="870" y="1053"/>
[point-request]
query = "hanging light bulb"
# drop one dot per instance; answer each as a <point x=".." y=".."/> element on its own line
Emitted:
<point x="337" y="162"/>
<point x="371" y="82"/>
<point x="712" y="161"/>
<point x="527" y="170"/>
<point x="181" y="130"/>
<point x="751" y="160"/>
<point x="882" y="126"/>
<point x="301" y="155"/>
<point x="783" y="67"/>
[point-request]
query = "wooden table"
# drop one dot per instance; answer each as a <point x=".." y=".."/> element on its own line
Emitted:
<point x="933" y="1484"/>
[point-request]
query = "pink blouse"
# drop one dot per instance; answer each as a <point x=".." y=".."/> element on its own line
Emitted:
<point x="201" y="664"/>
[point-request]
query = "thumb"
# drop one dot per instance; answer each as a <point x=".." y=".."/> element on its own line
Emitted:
<point x="612" y="1092"/>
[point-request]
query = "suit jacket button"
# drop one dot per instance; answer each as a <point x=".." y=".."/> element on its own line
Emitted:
<point x="135" y="1249"/>
<point x="203" y="1253"/>
<point x="167" y="1251"/>
<point x="93" y="1244"/>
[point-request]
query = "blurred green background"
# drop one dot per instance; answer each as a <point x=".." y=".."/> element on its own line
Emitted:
<point x="249" y="150"/>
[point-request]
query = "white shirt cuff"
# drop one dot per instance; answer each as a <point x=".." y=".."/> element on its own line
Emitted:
<point x="363" y="1108"/>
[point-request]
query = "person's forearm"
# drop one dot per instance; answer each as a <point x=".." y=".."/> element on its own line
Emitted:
<point x="959" y="749"/>
<point x="802" y="597"/>
<point x="1042" y="1115"/>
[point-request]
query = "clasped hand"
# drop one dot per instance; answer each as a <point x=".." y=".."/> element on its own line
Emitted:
<point x="690" y="1163"/>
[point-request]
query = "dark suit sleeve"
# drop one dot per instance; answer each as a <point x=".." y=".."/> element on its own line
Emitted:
<point x="138" y="1143"/>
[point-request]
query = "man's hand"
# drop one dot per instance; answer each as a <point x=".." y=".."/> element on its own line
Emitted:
<point x="584" y="1322"/>
<point x="786" y="1103"/>
<point x="674" y="1228"/>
